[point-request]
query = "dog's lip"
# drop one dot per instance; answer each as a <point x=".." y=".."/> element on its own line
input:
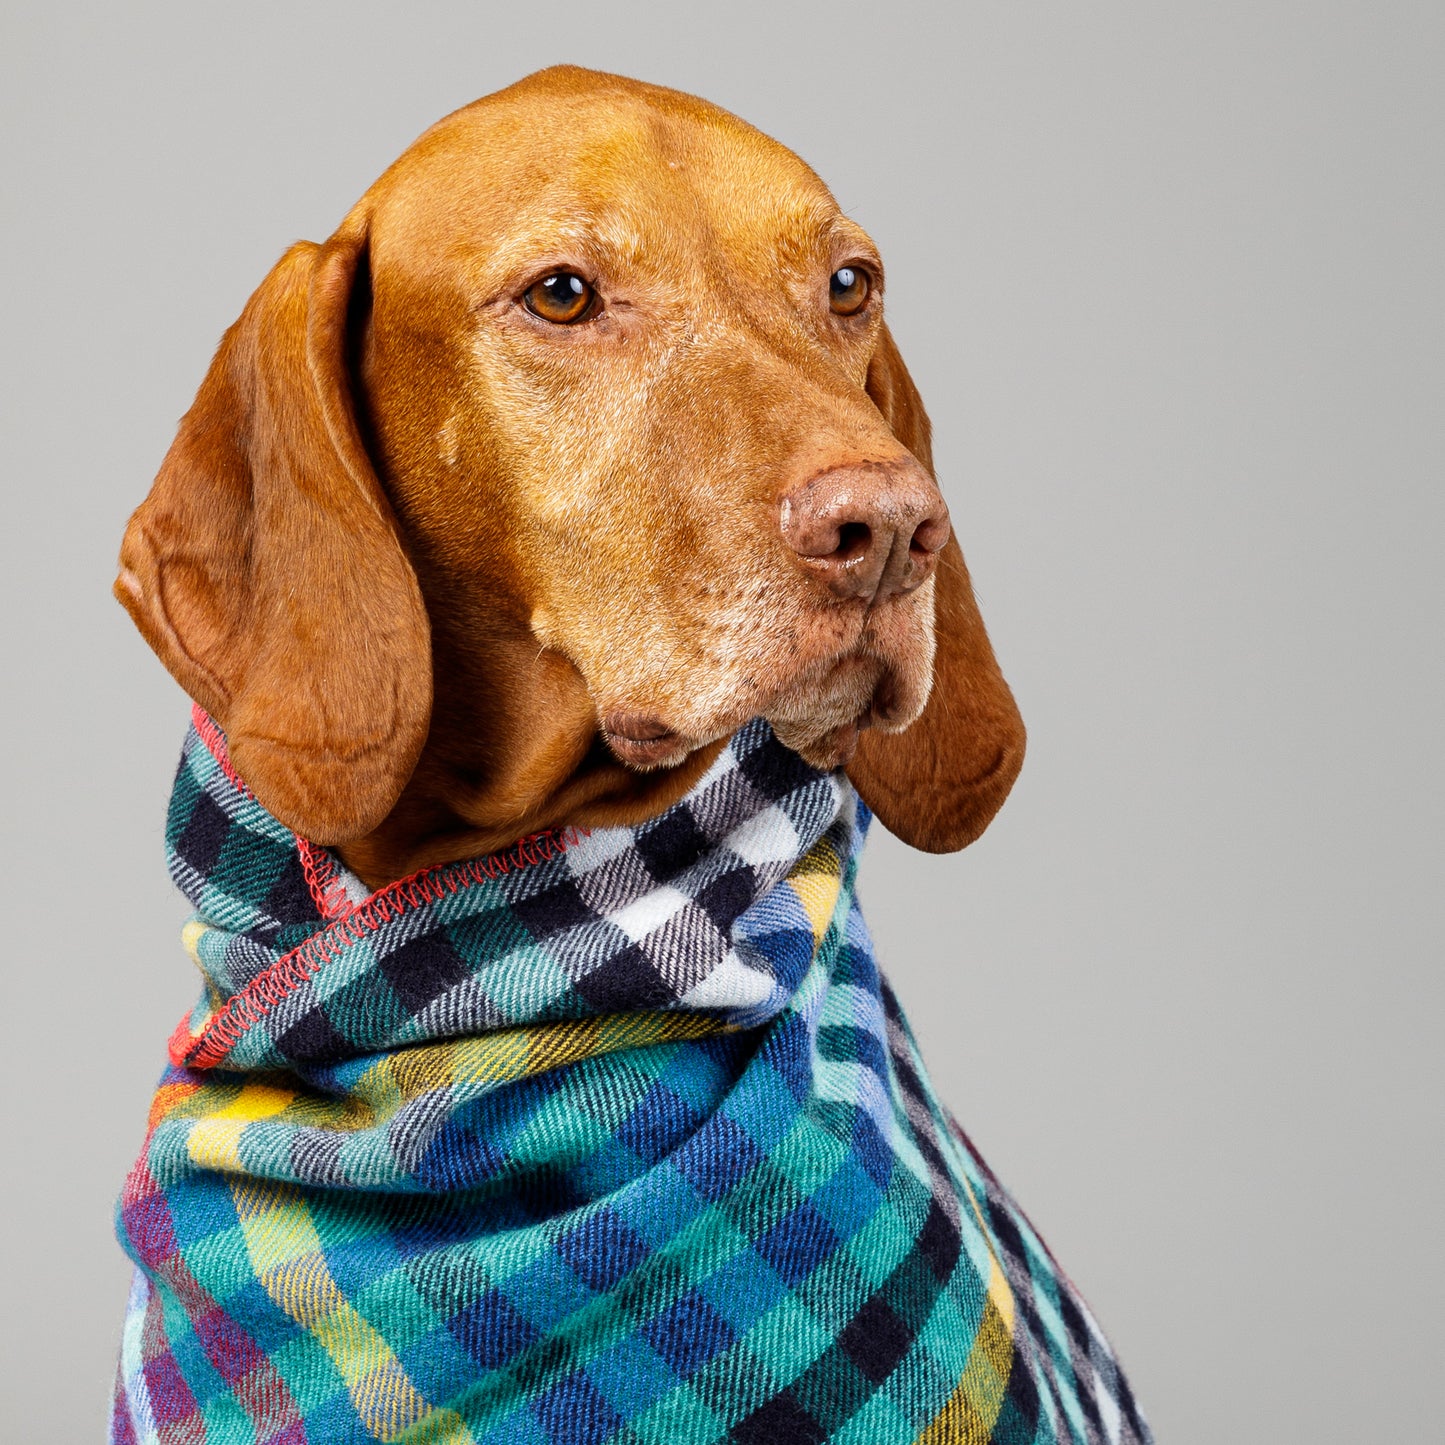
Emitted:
<point x="884" y="706"/>
<point x="636" y="727"/>
<point x="641" y="739"/>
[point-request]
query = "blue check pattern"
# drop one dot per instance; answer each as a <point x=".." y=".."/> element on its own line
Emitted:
<point x="626" y="1141"/>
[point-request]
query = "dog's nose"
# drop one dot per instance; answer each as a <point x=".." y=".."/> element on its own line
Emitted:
<point x="870" y="531"/>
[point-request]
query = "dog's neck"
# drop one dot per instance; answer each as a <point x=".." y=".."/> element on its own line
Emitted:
<point x="514" y="749"/>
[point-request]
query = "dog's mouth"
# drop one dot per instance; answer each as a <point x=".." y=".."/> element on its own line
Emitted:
<point x="820" y="716"/>
<point x="820" y="685"/>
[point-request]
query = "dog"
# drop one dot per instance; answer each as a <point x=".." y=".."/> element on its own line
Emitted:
<point x="555" y="561"/>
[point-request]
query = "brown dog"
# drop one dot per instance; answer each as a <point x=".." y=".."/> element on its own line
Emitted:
<point x="578" y="447"/>
<point x="582" y="441"/>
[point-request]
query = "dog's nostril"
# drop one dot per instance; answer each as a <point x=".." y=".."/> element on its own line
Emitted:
<point x="929" y="537"/>
<point x="854" y="539"/>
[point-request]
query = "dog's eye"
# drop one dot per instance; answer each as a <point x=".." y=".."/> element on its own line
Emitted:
<point x="564" y="298"/>
<point x="848" y="290"/>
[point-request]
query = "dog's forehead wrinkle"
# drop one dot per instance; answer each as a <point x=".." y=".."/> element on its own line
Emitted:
<point x="629" y="182"/>
<point x="620" y="241"/>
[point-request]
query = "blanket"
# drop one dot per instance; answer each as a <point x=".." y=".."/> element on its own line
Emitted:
<point x="616" y="1137"/>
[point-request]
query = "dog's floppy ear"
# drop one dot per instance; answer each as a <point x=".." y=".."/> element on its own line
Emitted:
<point x="265" y="567"/>
<point x="937" y="784"/>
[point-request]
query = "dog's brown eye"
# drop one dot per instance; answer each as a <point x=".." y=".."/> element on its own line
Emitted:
<point x="848" y="290"/>
<point x="564" y="298"/>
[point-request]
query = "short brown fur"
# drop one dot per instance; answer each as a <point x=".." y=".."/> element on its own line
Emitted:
<point x="413" y="547"/>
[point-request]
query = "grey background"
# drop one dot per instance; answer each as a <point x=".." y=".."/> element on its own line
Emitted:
<point x="1170" y="278"/>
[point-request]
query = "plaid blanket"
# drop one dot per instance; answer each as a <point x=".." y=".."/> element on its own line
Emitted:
<point x="616" y="1137"/>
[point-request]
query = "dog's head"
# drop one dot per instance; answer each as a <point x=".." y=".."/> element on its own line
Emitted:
<point x="581" y="442"/>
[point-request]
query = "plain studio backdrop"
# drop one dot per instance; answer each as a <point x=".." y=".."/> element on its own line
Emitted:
<point x="1170" y="278"/>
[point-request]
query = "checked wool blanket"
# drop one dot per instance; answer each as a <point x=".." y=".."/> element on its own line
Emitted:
<point x="613" y="1138"/>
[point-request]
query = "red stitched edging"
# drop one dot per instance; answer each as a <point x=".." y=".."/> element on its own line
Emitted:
<point x="215" y="741"/>
<point x="291" y="970"/>
<point x="323" y="880"/>
<point x="274" y="984"/>
<point x="317" y="865"/>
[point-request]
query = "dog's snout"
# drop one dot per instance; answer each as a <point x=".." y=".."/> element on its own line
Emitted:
<point x="870" y="531"/>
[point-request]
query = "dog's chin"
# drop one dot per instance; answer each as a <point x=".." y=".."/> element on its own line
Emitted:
<point x="882" y="682"/>
<point x="819" y="714"/>
<point x="828" y="750"/>
<point x="823" y="722"/>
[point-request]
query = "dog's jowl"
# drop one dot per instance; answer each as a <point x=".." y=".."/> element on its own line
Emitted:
<point x="555" y="562"/>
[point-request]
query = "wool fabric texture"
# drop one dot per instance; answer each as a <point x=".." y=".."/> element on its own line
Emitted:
<point x="614" y="1138"/>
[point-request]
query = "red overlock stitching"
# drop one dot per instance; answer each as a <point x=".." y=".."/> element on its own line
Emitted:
<point x="317" y="865"/>
<point x="291" y="970"/>
<point x="215" y="741"/>
<point x="323" y="879"/>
